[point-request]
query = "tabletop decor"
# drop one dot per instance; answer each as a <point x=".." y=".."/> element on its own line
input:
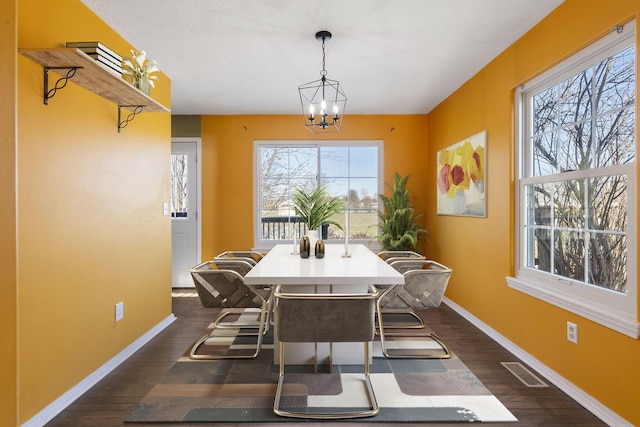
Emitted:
<point x="305" y="247"/>
<point x="316" y="208"/>
<point x="138" y="70"/>
<point x="319" y="249"/>
<point x="399" y="229"/>
<point x="346" y="233"/>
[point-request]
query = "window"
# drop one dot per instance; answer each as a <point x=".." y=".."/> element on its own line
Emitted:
<point x="576" y="238"/>
<point x="179" y="194"/>
<point x="349" y="169"/>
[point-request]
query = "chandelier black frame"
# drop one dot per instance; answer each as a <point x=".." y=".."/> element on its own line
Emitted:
<point x="323" y="101"/>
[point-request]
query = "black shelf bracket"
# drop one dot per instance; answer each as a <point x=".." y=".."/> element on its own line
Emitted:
<point x="65" y="79"/>
<point x="122" y="123"/>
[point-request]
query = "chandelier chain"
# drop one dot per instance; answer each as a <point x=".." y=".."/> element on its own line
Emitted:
<point x="323" y="73"/>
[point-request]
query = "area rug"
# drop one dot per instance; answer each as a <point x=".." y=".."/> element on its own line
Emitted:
<point x="242" y="390"/>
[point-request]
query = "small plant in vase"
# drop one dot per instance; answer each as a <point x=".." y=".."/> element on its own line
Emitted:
<point x="316" y="208"/>
<point x="138" y="70"/>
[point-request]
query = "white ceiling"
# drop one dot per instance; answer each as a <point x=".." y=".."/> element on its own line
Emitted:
<point x="250" y="56"/>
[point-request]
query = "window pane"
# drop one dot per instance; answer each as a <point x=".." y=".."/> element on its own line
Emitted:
<point x="568" y="204"/>
<point x="575" y="98"/>
<point x="539" y="203"/>
<point x="363" y="162"/>
<point x="569" y="254"/>
<point x="364" y="208"/>
<point x="336" y="188"/>
<point x="574" y="147"/>
<point x="545" y="154"/>
<point x="545" y="113"/>
<point x="616" y="138"/>
<point x="364" y="193"/>
<point x="608" y="261"/>
<point x="334" y="162"/>
<point x="539" y="249"/>
<point x="616" y="81"/>
<point x="303" y="162"/>
<point x="608" y="203"/>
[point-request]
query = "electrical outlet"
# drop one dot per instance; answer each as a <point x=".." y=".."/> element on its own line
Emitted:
<point x="572" y="332"/>
<point x="119" y="311"/>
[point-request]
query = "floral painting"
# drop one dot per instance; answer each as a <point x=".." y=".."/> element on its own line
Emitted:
<point x="462" y="177"/>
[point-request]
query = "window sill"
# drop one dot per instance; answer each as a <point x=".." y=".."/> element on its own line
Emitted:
<point x="616" y="321"/>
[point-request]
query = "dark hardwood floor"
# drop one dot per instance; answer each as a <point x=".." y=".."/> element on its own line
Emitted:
<point x="112" y="399"/>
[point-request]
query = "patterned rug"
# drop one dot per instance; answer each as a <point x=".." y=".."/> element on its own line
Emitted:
<point x="242" y="390"/>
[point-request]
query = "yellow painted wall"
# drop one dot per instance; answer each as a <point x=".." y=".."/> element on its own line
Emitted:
<point x="8" y="273"/>
<point x="605" y="363"/>
<point x="91" y="230"/>
<point x="227" y="165"/>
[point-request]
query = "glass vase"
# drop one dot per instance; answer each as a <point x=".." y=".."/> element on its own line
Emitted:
<point x="142" y="85"/>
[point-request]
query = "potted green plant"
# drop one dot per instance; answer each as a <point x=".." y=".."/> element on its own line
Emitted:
<point x="398" y="228"/>
<point x="316" y="208"/>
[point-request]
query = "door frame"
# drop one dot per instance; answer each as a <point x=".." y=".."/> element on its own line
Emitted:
<point x="198" y="141"/>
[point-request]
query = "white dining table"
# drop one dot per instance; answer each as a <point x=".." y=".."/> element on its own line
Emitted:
<point x="363" y="267"/>
<point x="334" y="273"/>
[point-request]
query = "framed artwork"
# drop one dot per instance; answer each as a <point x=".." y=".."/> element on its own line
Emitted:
<point x="462" y="177"/>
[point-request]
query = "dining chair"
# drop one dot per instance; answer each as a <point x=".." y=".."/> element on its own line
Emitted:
<point x="328" y="317"/>
<point x="238" y="264"/>
<point x="425" y="284"/>
<point x="254" y="256"/>
<point x="390" y="257"/>
<point x="221" y="287"/>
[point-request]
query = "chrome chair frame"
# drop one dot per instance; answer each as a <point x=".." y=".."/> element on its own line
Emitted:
<point x="412" y="269"/>
<point x="305" y="324"/>
<point x="391" y="256"/>
<point x="237" y="295"/>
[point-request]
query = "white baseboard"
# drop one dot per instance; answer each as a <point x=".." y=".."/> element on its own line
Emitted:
<point x="55" y="408"/>
<point x="591" y="404"/>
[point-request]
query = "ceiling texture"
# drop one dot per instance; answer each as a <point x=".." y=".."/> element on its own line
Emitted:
<point x="250" y="56"/>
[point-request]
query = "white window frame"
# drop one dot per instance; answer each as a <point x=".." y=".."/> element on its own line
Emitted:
<point x="608" y="308"/>
<point x="266" y="245"/>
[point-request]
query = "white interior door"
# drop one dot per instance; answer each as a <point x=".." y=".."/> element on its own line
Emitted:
<point x="185" y="225"/>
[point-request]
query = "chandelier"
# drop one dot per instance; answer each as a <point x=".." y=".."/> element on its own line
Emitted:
<point x="323" y="100"/>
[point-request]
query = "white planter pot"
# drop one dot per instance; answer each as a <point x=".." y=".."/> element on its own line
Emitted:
<point x="313" y="238"/>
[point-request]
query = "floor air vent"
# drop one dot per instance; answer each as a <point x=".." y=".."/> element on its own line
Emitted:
<point x="527" y="377"/>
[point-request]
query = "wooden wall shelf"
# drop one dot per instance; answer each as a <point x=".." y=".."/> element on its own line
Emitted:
<point x="94" y="77"/>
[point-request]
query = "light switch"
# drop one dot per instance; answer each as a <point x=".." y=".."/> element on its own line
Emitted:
<point x="165" y="209"/>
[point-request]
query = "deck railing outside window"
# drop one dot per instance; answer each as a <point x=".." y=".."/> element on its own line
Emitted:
<point x="281" y="227"/>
